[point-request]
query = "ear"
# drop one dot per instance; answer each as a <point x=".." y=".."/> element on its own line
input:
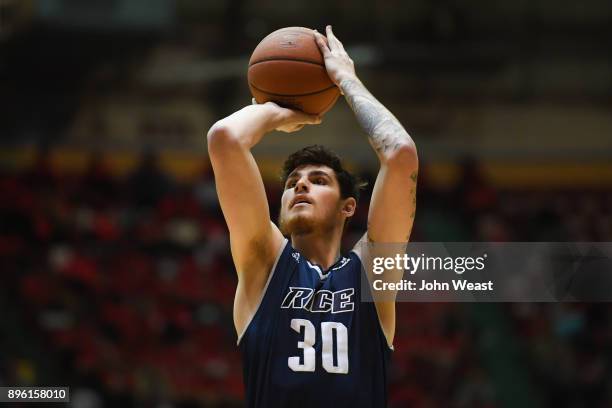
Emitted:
<point x="348" y="207"/>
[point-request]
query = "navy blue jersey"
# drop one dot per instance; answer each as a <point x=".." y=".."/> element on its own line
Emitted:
<point x="312" y="342"/>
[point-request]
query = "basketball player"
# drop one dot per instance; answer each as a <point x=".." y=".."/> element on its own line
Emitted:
<point x="305" y="337"/>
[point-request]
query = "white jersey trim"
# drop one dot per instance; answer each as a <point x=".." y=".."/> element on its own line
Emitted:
<point x="263" y="292"/>
<point x="322" y="275"/>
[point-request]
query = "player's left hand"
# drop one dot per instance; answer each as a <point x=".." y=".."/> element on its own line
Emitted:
<point x="337" y="62"/>
<point x="286" y="120"/>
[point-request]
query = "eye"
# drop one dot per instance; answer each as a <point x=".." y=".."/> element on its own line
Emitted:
<point x="319" y="180"/>
<point x="290" y="184"/>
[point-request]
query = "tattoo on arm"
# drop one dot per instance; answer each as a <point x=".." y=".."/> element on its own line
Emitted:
<point x="385" y="132"/>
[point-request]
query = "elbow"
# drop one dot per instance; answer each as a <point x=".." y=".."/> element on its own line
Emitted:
<point x="404" y="156"/>
<point x="220" y="138"/>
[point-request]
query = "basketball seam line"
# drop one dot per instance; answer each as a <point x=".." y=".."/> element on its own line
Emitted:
<point x="305" y="94"/>
<point x="285" y="59"/>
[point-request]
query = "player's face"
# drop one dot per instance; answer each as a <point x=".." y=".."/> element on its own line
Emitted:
<point x="311" y="200"/>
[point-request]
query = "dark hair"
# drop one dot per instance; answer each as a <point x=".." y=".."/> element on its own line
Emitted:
<point x="350" y="185"/>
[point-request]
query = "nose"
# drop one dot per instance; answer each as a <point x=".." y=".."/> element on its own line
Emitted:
<point x="301" y="186"/>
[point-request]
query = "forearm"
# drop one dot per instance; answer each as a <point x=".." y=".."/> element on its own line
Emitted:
<point x="386" y="134"/>
<point x="246" y="127"/>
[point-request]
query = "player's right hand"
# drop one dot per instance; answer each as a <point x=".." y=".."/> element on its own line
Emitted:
<point x="338" y="64"/>
<point x="289" y="120"/>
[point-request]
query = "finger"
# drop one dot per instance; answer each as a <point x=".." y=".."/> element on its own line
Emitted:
<point x="332" y="39"/>
<point x="307" y="119"/>
<point x="290" y="129"/>
<point x="271" y="104"/>
<point x="322" y="43"/>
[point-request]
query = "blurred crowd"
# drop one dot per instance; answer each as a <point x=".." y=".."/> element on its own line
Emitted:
<point x="122" y="288"/>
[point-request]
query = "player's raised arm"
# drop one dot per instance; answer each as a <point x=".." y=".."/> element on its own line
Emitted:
<point x="254" y="239"/>
<point x="393" y="203"/>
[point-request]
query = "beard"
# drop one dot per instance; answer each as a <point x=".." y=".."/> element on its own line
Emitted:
<point x="295" y="224"/>
<point x="301" y="223"/>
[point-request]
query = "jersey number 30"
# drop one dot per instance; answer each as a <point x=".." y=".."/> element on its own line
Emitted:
<point x="334" y="337"/>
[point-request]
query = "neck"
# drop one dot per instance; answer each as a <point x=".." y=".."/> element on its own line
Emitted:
<point x="319" y="247"/>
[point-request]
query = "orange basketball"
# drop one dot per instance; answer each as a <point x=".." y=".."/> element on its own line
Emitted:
<point x="287" y="67"/>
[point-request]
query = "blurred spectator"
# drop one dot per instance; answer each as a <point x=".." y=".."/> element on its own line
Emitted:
<point x="97" y="183"/>
<point x="148" y="184"/>
<point x="136" y="305"/>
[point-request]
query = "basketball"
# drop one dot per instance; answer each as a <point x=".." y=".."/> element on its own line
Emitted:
<point x="287" y="67"/>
